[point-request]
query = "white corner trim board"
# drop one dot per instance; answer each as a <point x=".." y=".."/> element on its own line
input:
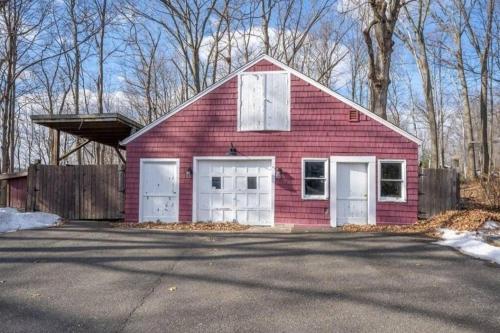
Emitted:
<point x="285" y="68"/>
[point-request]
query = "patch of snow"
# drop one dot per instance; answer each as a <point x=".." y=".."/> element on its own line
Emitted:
<point x="470" y="243"/>
<point x="12" y="220"/>
<point x="490" y="225"/>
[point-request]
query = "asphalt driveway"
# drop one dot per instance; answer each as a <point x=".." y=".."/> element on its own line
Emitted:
<point x="86" y="277"/>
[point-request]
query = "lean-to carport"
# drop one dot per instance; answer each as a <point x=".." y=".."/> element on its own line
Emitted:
<point x="106" y="128"/>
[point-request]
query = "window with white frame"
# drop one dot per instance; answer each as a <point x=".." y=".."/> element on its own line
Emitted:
<point x="314" y="178"/>
<point x="392" y="180"/>
<point x="264" y="101"/>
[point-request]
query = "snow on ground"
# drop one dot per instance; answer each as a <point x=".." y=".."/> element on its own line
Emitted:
<point x="11" y="220"/>
<point x="470" y="243"/>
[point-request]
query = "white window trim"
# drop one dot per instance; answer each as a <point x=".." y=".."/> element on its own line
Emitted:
<point x="372" y="201"/>
<point x="303" y="179"/>
<point x="143" y="161"/>
<point x="403" y="186"/>
<point x="238" y="125"/>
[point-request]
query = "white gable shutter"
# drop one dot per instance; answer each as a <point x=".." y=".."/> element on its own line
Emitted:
<point x="251" y="102"/>
<point x="277" y="102"/>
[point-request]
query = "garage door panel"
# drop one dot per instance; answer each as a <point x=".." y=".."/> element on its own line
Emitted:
<point x="253" y="216"/>
<point x="204" y="215"/>
<point x="228" y="200"/>
<point x="227" y="183"/>
<point x="253" y="201"/>
<point x="217" y="200"/>
<point x="229" y="215"/>
<point x="217" y="215"/>
<point x="205" y="184"/>
<point x="265" y="200"/>
<point x="204" y="201"/>
<point x="264" y="183"/>
<point x="244" y="193"/>
<point x="241" y="183"/>
<point x="265" y="215"/>
<point x="241" y="200"/>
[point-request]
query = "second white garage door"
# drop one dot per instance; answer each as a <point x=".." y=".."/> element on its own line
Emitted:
<point x="237" y="190"/>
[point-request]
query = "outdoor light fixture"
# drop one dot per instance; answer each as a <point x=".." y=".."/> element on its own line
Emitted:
<point x="232" y="151"/>
<point x="279" y="173"/>
<point x="189" y="172"/>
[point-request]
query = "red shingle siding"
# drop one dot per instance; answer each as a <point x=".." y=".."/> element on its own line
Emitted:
<point x="320" y="127"/>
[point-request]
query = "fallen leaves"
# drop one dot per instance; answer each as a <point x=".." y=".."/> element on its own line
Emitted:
<point x="199" y="226"/>
<point x="465" y="220"/>
<point x="172" y="288"/>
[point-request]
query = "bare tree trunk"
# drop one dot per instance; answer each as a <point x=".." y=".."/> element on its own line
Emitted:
<point x="76" y="68"/>
<point x="415" y="42"/>
<point x="482" y="49"/>
<point x="102" y="12"/>
<point x="468" y="128"/>
<point x="385" y="15"/>
<point x="266" y="16"/>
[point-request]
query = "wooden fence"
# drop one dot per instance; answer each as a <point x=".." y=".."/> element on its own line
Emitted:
<point x="82" y="192"/>
<point x="439" y="190"/>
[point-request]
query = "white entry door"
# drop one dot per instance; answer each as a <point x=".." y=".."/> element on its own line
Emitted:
<point x="234" y="190"/>
<point x="352" y="193"/>
<point x="159" y="190"/>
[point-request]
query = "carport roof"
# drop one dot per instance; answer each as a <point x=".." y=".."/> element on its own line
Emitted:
<point x="106" y="128"/>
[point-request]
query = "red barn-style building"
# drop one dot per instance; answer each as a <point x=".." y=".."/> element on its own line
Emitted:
<point x="268" y="145"/>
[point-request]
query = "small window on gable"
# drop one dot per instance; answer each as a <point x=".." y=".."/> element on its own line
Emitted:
<point x="392" y="180"/>
<point x="264" y="102"/>
<point x="315" y="178"/>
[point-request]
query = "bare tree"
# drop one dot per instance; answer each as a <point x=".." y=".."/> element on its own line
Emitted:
<point x="23" y="22"/>
<point x="451" y="21"/>
<point x="381" y="29"/>
<point x="151" y="87"/>
<point x="187" y="25"/>
<point x="482" y="45"/>
<point x="414" y="39"/>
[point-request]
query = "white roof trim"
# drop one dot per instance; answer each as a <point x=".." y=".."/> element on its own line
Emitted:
<point x="289" y="69"/>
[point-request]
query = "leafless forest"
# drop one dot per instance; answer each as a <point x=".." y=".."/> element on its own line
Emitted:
<point x="429" y="66"/>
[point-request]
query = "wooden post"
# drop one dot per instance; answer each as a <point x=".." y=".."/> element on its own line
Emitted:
<point x="118" y="152"/>
<point x="56" y="147"/>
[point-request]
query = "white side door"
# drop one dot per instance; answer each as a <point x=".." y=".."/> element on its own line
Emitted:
<point x="352" y="193"/>
<point x="159" y="190"/>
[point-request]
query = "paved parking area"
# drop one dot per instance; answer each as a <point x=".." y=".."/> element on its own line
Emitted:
<point x="85" y="277"/>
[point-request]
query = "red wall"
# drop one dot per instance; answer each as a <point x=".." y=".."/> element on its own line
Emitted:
<point x="320" y="128"/>
<point x="18" y="192"/>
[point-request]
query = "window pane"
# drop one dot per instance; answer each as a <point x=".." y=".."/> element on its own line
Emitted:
<point x="314" y="187"/>
<point x="390" y="189"/>
<point x="252" y="183"/>
<point x="216" y="183"/>
<point x="391" y="170"/>
<point x="315" y="169"/>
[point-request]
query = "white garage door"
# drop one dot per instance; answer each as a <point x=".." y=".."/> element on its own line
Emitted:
<point x="159" y="197"/>
<point x="235" y="190"/>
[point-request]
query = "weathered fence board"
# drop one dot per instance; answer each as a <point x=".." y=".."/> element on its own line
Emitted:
<point x="439" y="190"/>
<point x="84" y="192"/>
